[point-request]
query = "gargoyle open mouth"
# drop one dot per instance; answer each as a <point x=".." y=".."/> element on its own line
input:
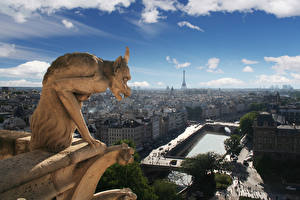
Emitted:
<point x="119" y="95"/>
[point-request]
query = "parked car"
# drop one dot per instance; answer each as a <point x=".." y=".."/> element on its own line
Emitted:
<point x="173" y="162"/>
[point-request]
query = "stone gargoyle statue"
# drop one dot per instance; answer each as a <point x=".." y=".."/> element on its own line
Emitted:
<point x="69" y="81"/>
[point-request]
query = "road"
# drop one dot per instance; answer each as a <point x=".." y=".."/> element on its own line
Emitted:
<point x="246" y="181"/>
<point x="156" y="155"/>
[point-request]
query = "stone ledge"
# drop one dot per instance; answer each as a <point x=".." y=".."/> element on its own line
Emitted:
<point x="13" y="143"/>
<point x="31" y="165"/>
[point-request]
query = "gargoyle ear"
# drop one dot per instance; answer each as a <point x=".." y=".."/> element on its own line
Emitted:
<point x="117" y="64"/>
<point x="126" y="57"/>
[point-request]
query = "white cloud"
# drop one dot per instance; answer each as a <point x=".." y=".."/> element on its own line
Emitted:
<point x="22" y="10"/>
<point x="212" y="65"/>
<point x="188" y="24"/>
<point x="223" y="82"/>
<point x="280" y="8"/>
<point x="18" y="52"/>
<point x="200" y="67"/>
<point x="295" y="76"/>
<point x="182" y="65"/>
<point x="285" y="63"/>
<point x="44" y="27"/>
<point x="148" y="30"/>
<point x="67" y="23"/>
<point x="268" y="80"/>
<point x="160" y="83"/>
<point x="139" y="84"/>
<point x="217" y="71"/>
<point x="176" y="63"/>
<point x="32" y="69"/>
<point x="168" y="58"/>
<point x="151" y="14"/>
<point x="248" y="69"/>
<point x="20" y="83"/>
<point x="7" y="50"/>
<point x="249" y="62"/>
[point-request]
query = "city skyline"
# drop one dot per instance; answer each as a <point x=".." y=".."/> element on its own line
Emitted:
<point x="219" y="43"/>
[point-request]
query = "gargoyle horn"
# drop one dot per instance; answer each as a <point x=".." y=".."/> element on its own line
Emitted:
<point x="127" y="55"/>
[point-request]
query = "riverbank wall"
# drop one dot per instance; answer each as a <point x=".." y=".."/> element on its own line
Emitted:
<point x="184" y="147"/>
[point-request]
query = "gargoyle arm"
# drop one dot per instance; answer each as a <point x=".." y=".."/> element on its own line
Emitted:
<point x="66" y="88"/>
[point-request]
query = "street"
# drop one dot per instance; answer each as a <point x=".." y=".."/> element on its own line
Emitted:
<point x="246" y="181"/>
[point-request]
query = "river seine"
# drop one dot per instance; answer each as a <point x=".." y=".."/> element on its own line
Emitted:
<point x="210" y="141"/>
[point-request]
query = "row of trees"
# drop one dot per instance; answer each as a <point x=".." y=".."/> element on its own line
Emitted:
<point x="246" y="123"/>
<point x="232" y="145"/>
<point x="202" y="168"/>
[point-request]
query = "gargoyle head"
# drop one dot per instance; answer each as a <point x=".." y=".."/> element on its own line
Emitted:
<point x="125" y="155"/>
<point x="121" y="76"/>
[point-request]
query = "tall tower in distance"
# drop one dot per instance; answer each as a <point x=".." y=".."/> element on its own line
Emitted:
<point x="183" y="86"/>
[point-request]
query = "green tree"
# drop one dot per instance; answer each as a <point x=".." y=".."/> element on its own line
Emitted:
<point x="222" y="181"/>
<point x="128" y="176"/>
<point x="201" y="168"/>
<point x="200" y="165"/>
<point x="246" y="123"/>
<point x="166" y="190"/>
<point x="232" y="144"/>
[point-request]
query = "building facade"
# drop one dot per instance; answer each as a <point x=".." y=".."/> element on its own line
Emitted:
<point x="279" y="142"/>
<point x="111" y="131"/>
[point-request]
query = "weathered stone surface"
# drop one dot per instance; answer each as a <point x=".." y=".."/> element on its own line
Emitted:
<point x="13" y="143"/>
<point x="70" y="174"/>
<point x="116" y="154"/>
<point x="117" y="194"/>
<point x="38" y="163"/>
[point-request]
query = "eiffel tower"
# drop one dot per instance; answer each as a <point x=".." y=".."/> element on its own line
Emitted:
<point x="183" y="86"/>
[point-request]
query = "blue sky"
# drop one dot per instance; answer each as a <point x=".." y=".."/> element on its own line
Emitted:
<point x="219" y="43"/>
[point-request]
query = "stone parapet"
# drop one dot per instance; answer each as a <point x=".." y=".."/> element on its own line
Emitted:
<point x="70" y="174"/>
<point x="13" y="143"/>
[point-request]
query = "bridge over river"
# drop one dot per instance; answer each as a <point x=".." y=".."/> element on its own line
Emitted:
<point x="165" y="157"/>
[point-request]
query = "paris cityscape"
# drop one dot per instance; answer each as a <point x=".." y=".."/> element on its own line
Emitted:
<point x="203" y="104"/>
